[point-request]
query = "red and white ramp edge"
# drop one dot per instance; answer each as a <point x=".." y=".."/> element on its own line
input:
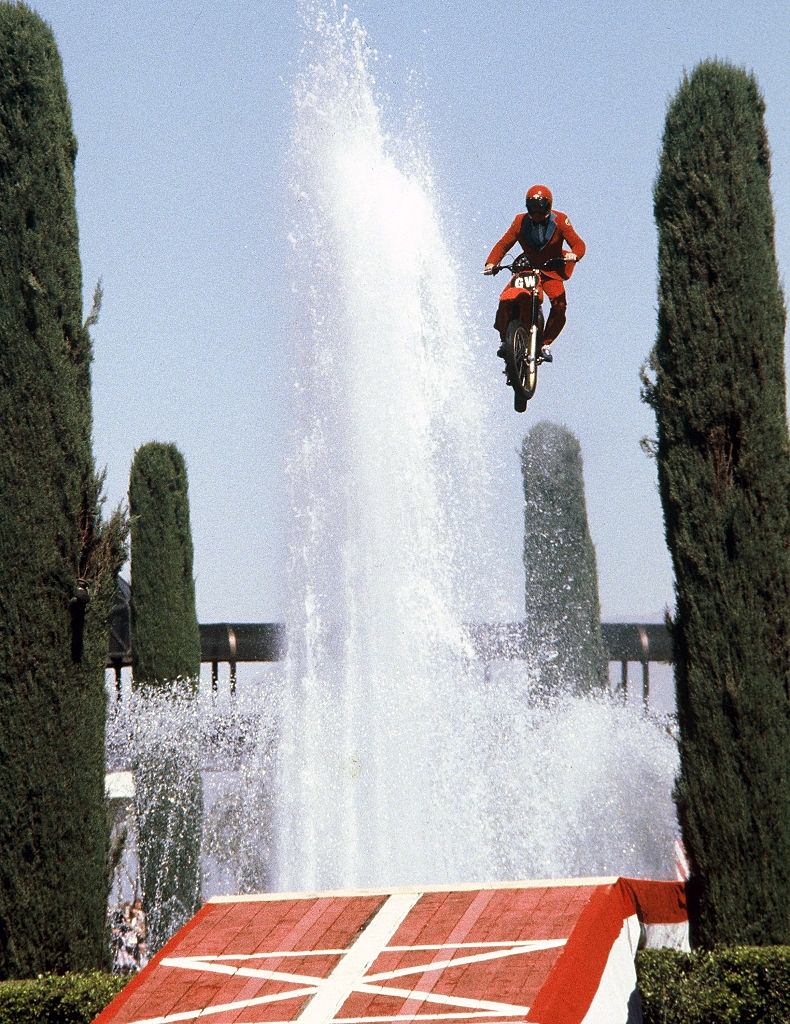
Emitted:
<point x="542" y="952"/>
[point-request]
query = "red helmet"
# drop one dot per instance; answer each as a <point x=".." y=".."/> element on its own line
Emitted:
<point x="539" y="200"/>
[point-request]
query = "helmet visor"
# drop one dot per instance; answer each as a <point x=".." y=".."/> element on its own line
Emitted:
<point x="538" y="207"/>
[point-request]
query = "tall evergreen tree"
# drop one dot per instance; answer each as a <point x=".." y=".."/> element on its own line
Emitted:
<point x="166" y="669"/>
<point x="562" y="604"/>
<point x="724" y="477"/>
<point x="57" y="558"/>
<point x="164" y="621"/>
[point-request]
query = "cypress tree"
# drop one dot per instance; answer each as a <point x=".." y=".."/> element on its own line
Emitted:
<point x="57" y="557"/>
<point x="166" y="670"/>
<point x="164" y="621"/>
<point x="562" y="605"/>
<point x="724" y="476"/>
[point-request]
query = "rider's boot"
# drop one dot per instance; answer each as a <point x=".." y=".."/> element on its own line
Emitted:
<point x="501" y="350"/>
<point x="545" y="354"/>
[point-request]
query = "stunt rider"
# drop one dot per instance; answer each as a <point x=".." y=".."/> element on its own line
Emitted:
<point x="541" y="233"/>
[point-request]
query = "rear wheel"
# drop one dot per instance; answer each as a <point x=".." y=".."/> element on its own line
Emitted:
<point x="521" y="358"/>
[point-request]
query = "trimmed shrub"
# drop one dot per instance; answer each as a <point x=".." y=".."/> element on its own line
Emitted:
<point x="724" y="478"/>
<point x="741" y="985"/>
<point x="57" y="558"/>
<point x="166" y="668"/>
<point x="165" y="632"/>
<point x="71" y="999"/>
<point x="562" y="605"/>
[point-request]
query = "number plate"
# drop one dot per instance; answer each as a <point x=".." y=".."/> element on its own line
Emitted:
<point x="526" y="281"/>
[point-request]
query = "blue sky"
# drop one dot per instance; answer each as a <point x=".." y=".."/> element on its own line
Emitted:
<point x="182" y="113"/>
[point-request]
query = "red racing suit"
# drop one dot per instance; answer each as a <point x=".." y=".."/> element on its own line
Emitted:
<point x="541" y="242"/>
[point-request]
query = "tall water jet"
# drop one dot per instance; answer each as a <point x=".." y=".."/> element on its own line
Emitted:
<point x="389" y="427"/>
<point x="396" y="763"/>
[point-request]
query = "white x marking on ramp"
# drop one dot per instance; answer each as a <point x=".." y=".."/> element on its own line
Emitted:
<point x="349" y="976"/>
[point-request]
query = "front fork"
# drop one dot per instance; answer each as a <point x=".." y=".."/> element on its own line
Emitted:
<point x="534" y="351"/>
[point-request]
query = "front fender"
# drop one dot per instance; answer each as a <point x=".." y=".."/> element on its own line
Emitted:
<point x="511" y="294"/>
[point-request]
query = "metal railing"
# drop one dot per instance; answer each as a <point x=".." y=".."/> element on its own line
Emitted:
<point x="232" y="643"/>
<point x="625" y="642"/>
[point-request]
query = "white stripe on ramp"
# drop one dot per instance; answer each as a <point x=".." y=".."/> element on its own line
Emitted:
<point x="348" y="974"/>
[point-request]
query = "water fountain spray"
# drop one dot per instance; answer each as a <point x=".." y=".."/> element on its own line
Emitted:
<point x="396" y="763"/>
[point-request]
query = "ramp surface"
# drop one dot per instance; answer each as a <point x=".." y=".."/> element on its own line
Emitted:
<point x="547" y="952"/>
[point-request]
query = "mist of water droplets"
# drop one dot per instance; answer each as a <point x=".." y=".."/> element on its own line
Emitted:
<point x="396" y="761"/>
<point x="389" y="756"/>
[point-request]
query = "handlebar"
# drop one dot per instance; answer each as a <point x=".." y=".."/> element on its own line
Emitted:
<point x="558" y="262"/>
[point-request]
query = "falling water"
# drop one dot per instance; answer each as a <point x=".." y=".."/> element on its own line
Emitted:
<point x="397" y="762"/>
<point x="389" y="756"/>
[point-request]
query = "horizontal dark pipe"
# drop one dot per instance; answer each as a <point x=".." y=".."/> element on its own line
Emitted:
<point x="624" y="641"/>
<point x="236" y="642"/>
<point x="242" y="641"/>
<point x="632" y="641"/>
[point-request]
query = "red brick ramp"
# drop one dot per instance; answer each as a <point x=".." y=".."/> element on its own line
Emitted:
<point x="544" y="952"/>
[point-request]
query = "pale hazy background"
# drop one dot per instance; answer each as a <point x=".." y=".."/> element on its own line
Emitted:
<point x="182" y="113"/>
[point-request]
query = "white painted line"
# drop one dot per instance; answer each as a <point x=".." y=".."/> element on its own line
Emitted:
<point x="418" y="1018"/>
<point x="475" y="958"/>
<point x="496" y="1008"/>
<point x="209" y="1010"/>
<point x="493" y="1018"/>
<point x="426" y="1016"/>
<point x="297" y="952"/>
<point x="348" y="974"/>
<point x="506" y="944"/>
<point x="191" y="964"/>
<point x="509" y="943"/>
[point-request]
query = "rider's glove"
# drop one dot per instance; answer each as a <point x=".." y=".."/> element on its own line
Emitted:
<point x="489" y="268"/>
<point x="570" y="257"/>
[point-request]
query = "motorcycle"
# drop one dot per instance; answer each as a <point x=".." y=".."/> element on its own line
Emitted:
<point x="523" y="338"/>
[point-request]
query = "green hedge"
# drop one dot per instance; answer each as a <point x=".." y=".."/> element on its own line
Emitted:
<point x="747" y="985"/>
<point x="71" y="999"/>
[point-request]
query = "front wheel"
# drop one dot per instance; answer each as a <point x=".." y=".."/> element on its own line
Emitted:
<point x="521" y="358"/>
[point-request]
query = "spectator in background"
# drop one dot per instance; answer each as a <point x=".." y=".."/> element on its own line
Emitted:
<point x="124" y="940"/>
<point x="140" y="930"/>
